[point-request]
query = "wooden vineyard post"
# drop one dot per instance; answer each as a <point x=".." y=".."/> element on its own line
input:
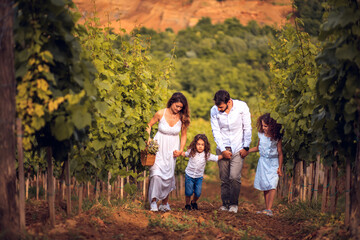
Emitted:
<point x="51" y="191"/>
<point x="108" y="187"/>
<point x="347" y="193"/>
<point x="290" y="197"/>
<point x="88" y="189"/>
<point x="37" y="182"/>
<point x="144" y="186"/>
<point x="63" y="186"/>
<point x="316" y="181"/>
<point x="97" y="189"/>
<point x="310" y="179"/>
<point x="122" y="188"/>
<point x="333" y="193"/>
<point x="9" y="217"/>
<point x="45" y="186"/>
<point x="68" y="187"/>
<point x="305" y="183"/>
<point x="19" y="134"/>
<point x="80" y="197"/>
<point x="27" y="186"/>
<point x="325" y="190"/>
<point x="301" y="183"/>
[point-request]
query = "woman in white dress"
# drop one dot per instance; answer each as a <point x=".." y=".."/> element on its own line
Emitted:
<point x="175" y="118"/>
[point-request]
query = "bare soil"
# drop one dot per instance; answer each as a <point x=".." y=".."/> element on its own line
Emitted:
<point x="133" y="220"/>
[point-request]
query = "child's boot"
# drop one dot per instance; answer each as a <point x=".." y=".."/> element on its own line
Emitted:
<point x="187" y="207"/>
<point x="194" y="205"/>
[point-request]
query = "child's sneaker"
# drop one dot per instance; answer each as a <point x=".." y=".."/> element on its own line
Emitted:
<point x="187" y="207"/>
<point x="223" y="208"/>
<point x="194" y="206"/>
<point x="154" y="207"/>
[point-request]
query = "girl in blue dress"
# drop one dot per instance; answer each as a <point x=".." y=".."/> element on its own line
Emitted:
<point x="270" y="161"/>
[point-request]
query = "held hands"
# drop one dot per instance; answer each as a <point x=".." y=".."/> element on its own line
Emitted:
<point x="226" y="154"/>
<point x="243" y="153"/>
<point x="279" y="172"/>
<point x="177" y="153"/>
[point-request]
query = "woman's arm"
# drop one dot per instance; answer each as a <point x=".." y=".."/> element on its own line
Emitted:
<point x="279" y="148"/>
<point x="182" y="142"/>
<point x="255" y="149"/>
<point x="154" y="120"/>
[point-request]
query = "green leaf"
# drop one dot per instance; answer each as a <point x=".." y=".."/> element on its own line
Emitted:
<point x="97" y="145"/>
<point x="62" y="129"/>
<point x="347" y="52"/>
<point x="81" y="119"/>
<point x="350" y="107"/>
<point x="92" y="161"/>
<point x="58" y="3"/>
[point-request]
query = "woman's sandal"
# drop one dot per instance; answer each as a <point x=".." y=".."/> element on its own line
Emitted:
<point x="268" y="212"/>
<point x="262" y="211"/>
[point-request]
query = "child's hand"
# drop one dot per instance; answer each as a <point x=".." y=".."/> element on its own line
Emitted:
<point x="177" y="153"/>
<point x="279" y="172"/>
<point x="183" y="154"/>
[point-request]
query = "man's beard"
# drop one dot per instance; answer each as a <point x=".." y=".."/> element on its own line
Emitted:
<point x="227" y="106"/>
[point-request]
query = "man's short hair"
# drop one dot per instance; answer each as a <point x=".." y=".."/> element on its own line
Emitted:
<point x="221" y="96"/>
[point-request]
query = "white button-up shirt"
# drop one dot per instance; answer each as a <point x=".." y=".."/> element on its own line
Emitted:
<point x="232" y="129"/>
<point x="196" y="164"/>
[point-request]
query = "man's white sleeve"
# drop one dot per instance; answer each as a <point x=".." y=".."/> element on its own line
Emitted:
<point x="247" y="126"/>
<point x="216" y="130"/>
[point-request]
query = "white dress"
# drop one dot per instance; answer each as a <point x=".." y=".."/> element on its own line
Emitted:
<point x="266" y="177"/>
<point x="162" y="173"/>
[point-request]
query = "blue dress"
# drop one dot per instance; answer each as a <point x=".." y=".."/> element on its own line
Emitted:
<point x="266" y="177"/>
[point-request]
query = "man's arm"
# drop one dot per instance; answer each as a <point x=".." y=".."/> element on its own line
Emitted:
<point x="217" y="135"/>
<point x="216" y="130"/>
<point x="246" y="131"/>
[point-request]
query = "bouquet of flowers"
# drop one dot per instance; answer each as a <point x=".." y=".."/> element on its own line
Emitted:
<point x="149" y="154"/>
<point x="153" y="147"/>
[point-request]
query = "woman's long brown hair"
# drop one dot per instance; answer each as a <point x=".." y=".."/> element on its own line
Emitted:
<point x="185" y="111"/>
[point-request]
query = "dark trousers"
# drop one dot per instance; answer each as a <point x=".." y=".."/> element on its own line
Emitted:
<point x="230" y="176"/>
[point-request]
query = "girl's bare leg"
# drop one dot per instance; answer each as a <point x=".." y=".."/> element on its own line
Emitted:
<point x="187" y="200"/>
<point x="271" y="197"/>
<point x="266" y="199"/>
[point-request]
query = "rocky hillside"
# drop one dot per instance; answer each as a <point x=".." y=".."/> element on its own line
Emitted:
<point x="179" y="14"/>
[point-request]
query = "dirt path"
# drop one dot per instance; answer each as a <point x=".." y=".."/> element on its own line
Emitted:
<point x="132" y="221"/>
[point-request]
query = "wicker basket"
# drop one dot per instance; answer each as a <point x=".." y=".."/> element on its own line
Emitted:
<point x="147" y="159"/>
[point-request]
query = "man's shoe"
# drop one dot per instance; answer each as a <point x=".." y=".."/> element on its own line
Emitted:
<point x="194" y="206"/>
<point x="187" y="207"/>
<point x="233" y="208"/>
<point x="154" y="207"/>
<point x="223" y="208"/>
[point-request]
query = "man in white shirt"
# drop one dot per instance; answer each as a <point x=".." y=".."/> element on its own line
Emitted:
<point x="231" y="127"/>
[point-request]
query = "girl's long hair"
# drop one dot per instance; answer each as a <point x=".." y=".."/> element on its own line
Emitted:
<point x="185" y="111"/>
<point x="192" y="145"/>
<point x="274" y="127"/>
